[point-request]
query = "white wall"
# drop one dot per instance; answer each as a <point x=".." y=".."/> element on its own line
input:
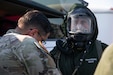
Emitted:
<point x="100" y="3"/>
<point x="105" y="25"/>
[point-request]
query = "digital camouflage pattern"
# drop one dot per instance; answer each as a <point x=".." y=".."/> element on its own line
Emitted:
<point x="22" y="55"/>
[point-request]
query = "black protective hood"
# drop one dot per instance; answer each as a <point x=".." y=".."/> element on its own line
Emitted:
<point x="84" y="9"/>
<point x="68" y="47"/>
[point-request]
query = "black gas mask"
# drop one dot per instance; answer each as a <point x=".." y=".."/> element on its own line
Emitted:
<point x="79" y="29"/>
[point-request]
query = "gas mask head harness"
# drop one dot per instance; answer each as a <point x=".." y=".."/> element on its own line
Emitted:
<point x="79" y="28"/>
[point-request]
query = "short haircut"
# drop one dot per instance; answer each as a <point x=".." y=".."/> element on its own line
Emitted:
<point x="37" y="19"/>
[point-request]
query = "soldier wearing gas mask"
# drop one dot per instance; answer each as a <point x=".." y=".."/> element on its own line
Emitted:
<point x="80" y="52"/>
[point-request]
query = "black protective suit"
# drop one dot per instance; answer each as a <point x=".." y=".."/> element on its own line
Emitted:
<point x="72" y="61"/>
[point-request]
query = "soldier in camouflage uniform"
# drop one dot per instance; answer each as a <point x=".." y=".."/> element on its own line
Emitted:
<point x="22" y="51"/>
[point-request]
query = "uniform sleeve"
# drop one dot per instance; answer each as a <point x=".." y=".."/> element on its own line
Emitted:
<point x="105" y="65"/>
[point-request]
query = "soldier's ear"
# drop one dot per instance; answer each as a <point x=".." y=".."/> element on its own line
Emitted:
<point x="33" y="32"/>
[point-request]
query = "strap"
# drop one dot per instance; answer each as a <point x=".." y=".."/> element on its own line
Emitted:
<point x="99" y="48"/>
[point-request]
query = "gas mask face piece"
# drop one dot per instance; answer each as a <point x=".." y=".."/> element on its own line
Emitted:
<point x="79" y="29"/>
<point x="79" y="23"/>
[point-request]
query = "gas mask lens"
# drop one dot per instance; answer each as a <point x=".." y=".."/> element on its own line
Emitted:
<point x="79" y="24"/>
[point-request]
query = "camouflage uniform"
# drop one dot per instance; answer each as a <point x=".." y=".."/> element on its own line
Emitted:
<point x="22" y="55"/>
